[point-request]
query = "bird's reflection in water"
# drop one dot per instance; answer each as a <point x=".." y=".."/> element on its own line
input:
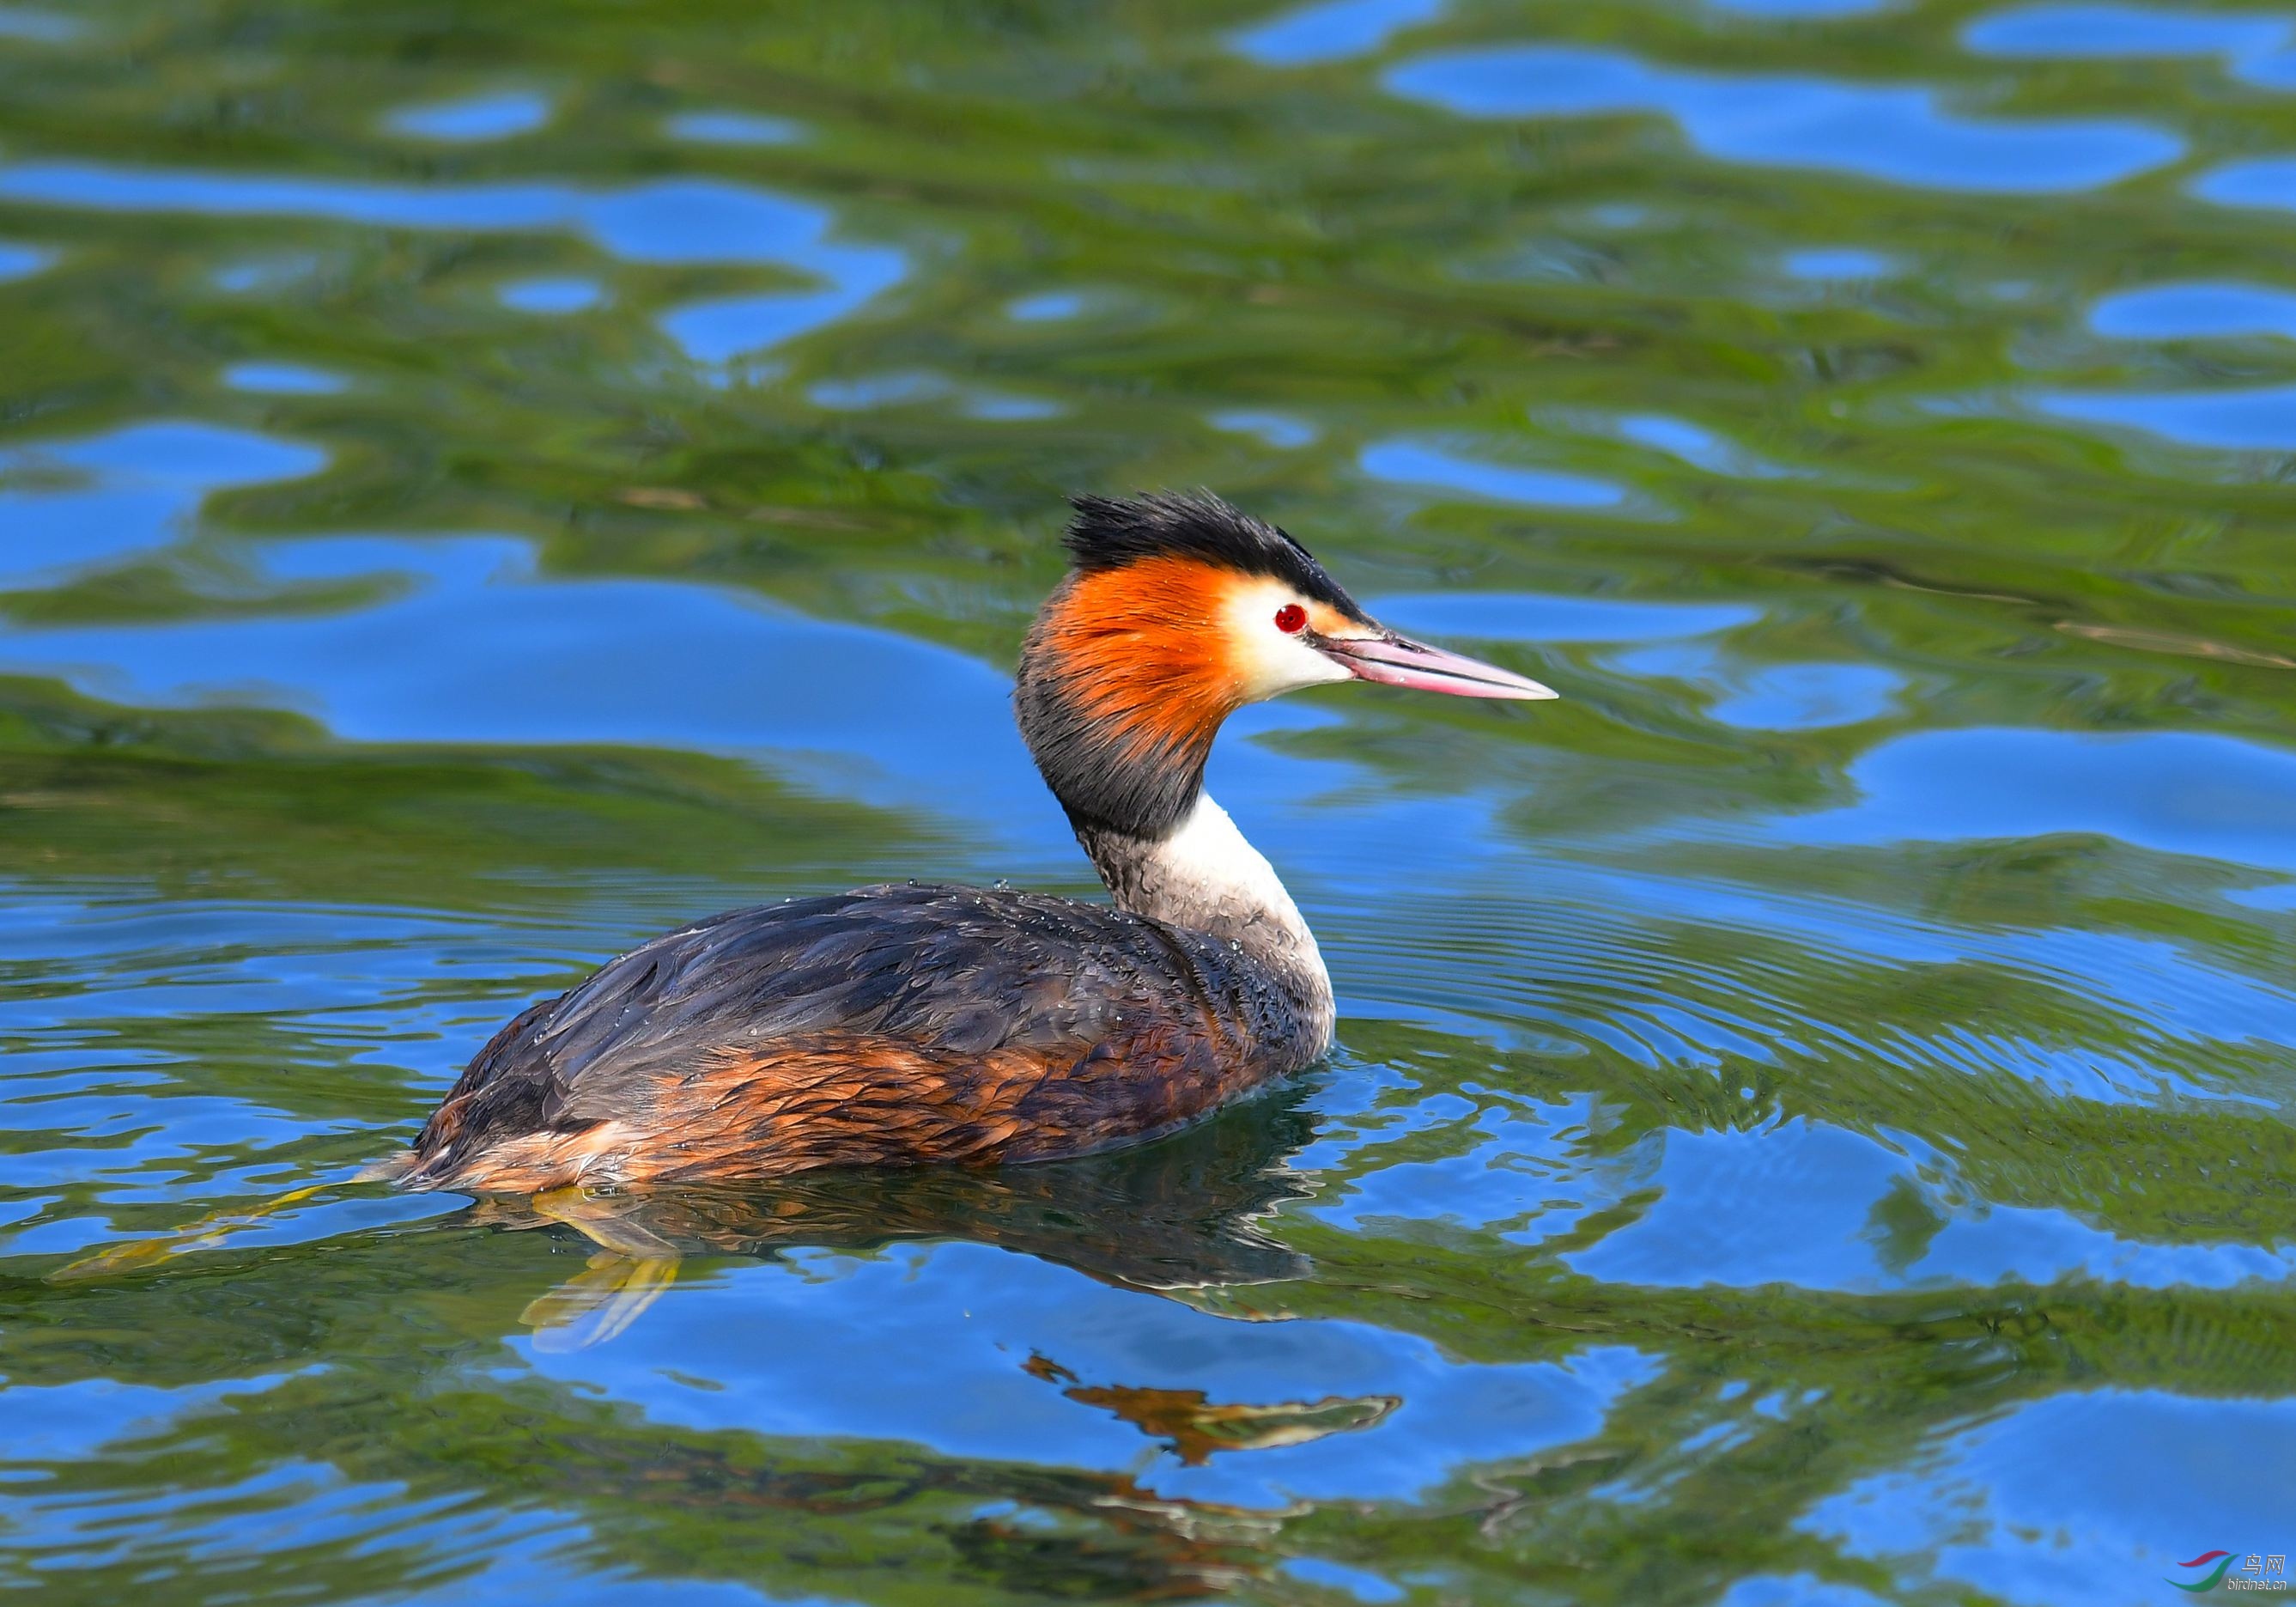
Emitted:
<point x="1184" y="1212"/>
<point x="1180" y="1213"/>
<point x="1192" y="1427"/>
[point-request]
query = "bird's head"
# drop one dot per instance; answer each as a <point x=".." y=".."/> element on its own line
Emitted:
<point x="1176" y="611"/>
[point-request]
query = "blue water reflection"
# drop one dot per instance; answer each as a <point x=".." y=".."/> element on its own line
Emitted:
<point x="1901" y="136"/>
<point x="1694" y="445"/>
<point x="66" y="1420"/>
<point x="544" y="659"/>
<point x="669" y="221"/>
<point x="1813" y="1205"/>
<point x="1359" y="1583"/>
<point x="102" y="1097"/>
<point x="1837" y="262"/>
<point x="1332" y="30"/>
<point x="2253" y="44"/>
<point x="37" y="26"/>
<point x="999" y="408"/>
<point x="2196" y="311"/>
<point x="1858" y="1010"/>
<point x="1049" y="307"/>
<point x="21" y="261"/>
<point x="476" y="119"/>
<point x="733" y="128"/>
<point x="552" y="297"/>
<point x="2261" y="419"/>
<point x="879" y="390"/>
<point x="284" y="379"/>
<point x="1800" y="8"/>
<point x="2094" y="1494"/>
<point x="2178" y="792"/>
<point x="1771" y="697"/>
<point x="914" y="388"/>
<point x="1796" y="1590"/>
<point x="73" y="505"/>
<point x="2260" y="181"/>
<point x="1521" y="616"/>
<point x="1281" y="430"/>
<point x="2121" y="30"/>
<point x="955" y="1323"/>
<point x="1411" y="463"/>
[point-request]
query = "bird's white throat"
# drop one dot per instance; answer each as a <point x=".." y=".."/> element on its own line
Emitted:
<point x="1206" y="877"/>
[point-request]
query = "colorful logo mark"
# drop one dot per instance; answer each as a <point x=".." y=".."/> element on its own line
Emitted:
<point x="2222" y="1559"/>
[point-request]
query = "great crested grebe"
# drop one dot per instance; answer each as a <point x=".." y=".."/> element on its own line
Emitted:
<point x="908" y="1023"/>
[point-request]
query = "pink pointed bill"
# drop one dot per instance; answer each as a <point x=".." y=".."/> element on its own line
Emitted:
<point x="1397" y="661"/>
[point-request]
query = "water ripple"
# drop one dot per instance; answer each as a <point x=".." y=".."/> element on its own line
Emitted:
<point x="1409" y="462"/>
<point x="671" y="221"/>
<point x="1820" y="1088"/>
<point x="1900" y="135"/>
<point x="2253" y="46"/>
<point x="473" y="120"/>
<point x="566" y="660"/>
<point x="80" y="504"/>
<point x="2259" y="419"/>
<point x="1332" y="30"/>
<point x="2195" y="311"/>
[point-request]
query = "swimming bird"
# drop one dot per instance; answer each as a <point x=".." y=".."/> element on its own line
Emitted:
<point x="908" y="1023"/>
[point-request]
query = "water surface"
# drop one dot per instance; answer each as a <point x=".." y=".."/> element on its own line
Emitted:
<point x="1812" y="1122"/>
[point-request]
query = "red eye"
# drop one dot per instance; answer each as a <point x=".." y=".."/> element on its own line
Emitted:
<point x="1290" y="619"/>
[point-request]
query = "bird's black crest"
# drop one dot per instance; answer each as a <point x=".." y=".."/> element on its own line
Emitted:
<point x="1109" y="533"/>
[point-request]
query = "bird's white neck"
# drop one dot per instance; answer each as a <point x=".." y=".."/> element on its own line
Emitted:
<point x="1205" y="878"/>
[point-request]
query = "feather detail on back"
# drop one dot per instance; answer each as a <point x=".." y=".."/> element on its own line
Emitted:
<point x="893" y="1026"/>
